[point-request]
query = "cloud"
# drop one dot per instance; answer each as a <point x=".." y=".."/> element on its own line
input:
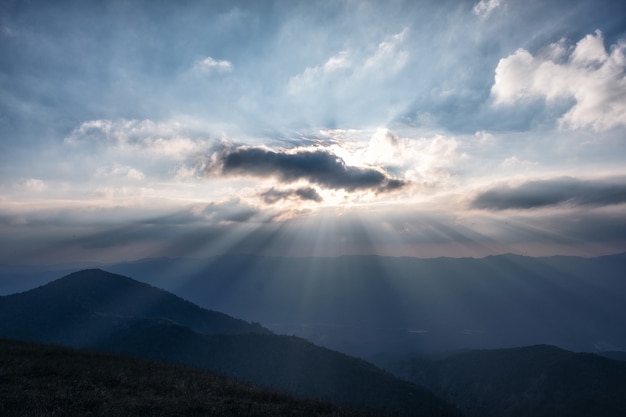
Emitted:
<point x="586" y="74"/>
<point x="209" y="64"/>
<point x="34" y="185"/>
<point x="353" y="65"/>
<point x="117" y="170"/>
<point x="232" y="211"/>
<point x="423" y="159"/>
<point x="388" y="55"/>
<point x="171" y="139"/>
<point x="485" y="7"/>
<point x="553" y="192"/>
<point x="273" y="195"/>
<point x="513" y="162"/>
<point x="314" y="75"/>
<point x="314" y="165"/>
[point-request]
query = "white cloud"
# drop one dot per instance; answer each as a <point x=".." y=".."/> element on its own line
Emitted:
<point x="122" y="171"/>
<point x="485" y="7"/>
<point x="337" y="62"/>
<point x="352" y="65"/>
<point x="163" y="138"/>
<point x="185" y="172"/>
<point x="388" y="54"/>
<point x="591" y="76"/>
<point x="313" y="75"/>
<point x="120" y="195"/>
<point x="209" y="64"/>
<point x="513" y="162"/>
<point x="34" y="185"/>
<point x="590" y="50"/>
<point x="424" y="160"/>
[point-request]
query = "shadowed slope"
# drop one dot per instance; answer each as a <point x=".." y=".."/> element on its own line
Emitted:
<point x="539" y="381"/>
<point x="39" y="380"/>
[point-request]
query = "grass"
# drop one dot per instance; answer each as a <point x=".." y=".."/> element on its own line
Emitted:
<point x="41" y="380"/>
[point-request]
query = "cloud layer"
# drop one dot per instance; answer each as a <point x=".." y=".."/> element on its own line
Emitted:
<point x="553" y="192"/>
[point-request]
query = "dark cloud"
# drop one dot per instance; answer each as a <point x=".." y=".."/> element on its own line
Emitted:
<point x="308" y="193"/>
<point x="316" y="166"/>
<point x="231" y="211"/>
<point x="273" y="195"/>
<point x="544" y="193"/>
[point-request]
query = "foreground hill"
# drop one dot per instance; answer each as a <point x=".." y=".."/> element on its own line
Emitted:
<point x="99" y="310"/>
<point x="40" y="380"/>
<point x="538" y="381"/>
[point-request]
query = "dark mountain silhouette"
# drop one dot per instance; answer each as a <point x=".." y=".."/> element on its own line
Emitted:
<point x="42" y="380"/>
<point x="88" y="304"/>
<point x="104" y="311"/>
<point x="365" y="305"/>
<point x="538" y="381"/>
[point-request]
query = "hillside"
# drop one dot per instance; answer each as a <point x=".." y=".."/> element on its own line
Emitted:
<point x="104" y="311"/>
<point x="538" y="381"/>
<point x="42" y="380"/>
<point x="93" y="294"/>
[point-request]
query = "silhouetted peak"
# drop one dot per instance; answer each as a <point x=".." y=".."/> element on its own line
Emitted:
<point x="91" y="286"/>
<point x="102" y="293"/>
<point x="90" y="277"/>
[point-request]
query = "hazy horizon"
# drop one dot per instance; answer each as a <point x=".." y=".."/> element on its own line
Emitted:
<point x="79" y="264"/>
<point x="469" y="128"/>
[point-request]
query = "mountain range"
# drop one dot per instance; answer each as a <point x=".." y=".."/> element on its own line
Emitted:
<point x="108" y="312"/>
<point x="367" y="305"/>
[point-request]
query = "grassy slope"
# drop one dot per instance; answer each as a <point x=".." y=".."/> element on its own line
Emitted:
<point x="41" y="380"/>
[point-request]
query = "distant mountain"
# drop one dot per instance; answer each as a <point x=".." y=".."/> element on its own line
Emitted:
<point x="365" y="305"/>
<point x="104" y="311"/>
<point x="538" y="381"/>
<point x="41" y="380"/>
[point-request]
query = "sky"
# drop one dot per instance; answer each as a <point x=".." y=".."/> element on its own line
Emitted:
<point x="134" y="129"/>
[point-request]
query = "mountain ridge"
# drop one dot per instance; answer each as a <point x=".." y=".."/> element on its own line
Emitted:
<point x="539" y="380"/>
<point x="455" y="303"/>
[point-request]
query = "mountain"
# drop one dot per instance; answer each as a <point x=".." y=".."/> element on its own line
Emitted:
<point x="41" y="380"/>
<point x="618" y="355"/>
<point x="533" y="381"/>
<point x="63" y="310"/>
<point x="99" y="310"/>
<point x="365" y="305"/>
